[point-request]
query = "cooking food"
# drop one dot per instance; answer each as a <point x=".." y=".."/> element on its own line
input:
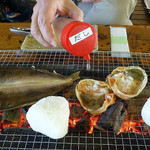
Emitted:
<point x="22" y="86"/>
<point x="94" y="96"/>
<point x="50" y="116"/>
<point x="145" y="113"/>
<point x="127" y="82"/>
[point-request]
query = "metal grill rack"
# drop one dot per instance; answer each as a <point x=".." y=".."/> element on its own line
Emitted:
<point x="102" y="63"/>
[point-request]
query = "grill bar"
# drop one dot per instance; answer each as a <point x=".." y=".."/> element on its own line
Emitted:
<point x="102" y="63"/>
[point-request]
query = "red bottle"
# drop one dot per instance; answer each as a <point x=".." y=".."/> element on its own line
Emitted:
<point x="79" y="38"/>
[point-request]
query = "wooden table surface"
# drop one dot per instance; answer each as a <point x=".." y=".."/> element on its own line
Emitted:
<point x="138" y="37"/>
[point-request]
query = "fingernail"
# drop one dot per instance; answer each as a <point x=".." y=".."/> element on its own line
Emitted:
<point x="80" y="19"/>
<point x="53" y="43"/>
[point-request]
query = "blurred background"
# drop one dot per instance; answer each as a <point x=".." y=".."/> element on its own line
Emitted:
<point x="16" y="10"/>
<point x="21" y="11"/>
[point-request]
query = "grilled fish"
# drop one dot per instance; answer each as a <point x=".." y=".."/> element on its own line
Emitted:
<point x="23" y="86"/>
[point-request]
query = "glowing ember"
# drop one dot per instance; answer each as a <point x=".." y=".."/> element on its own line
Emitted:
<point x="75" y="117"/>
<point x="93" y="123"/>
<point x="22" y="122"/>
<point x="133" y="126"/>
<point x="74" y="120"/>
<point x="71" y="104"/>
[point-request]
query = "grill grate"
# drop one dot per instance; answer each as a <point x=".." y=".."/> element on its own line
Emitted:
<point x="101" y="65"/>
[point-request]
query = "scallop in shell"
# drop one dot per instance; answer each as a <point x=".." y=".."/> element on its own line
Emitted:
<point x="94" y="96"/>
<point x="127" y="82"/>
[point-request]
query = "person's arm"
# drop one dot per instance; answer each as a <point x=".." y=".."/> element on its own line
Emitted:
<point x="45" y="12"/>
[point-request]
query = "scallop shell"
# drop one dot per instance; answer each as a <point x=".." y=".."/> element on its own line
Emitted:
<point x="127" y="82"/>
<point x="94" y="96"/>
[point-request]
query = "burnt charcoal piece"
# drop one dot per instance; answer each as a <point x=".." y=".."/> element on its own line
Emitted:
<point x="11" y="115"/>
<point x="76" y="112"/>
<point x="112" y="119"/>
<point x="84" y="124"/>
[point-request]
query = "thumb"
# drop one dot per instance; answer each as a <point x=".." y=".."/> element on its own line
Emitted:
<point x="75" y="13"/>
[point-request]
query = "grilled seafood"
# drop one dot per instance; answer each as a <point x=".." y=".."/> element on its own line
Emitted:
<point x="94" y="96"/>
<point x="22" y="86"/>
<point x="127" y="82"/>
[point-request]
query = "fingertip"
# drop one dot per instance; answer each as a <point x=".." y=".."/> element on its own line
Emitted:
<point x="77" y="16"/>
<point x="75" y="13"/>
<point x="80" y="18"/>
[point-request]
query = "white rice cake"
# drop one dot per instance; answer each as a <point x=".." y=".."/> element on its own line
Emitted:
<point x="50" y="116"/>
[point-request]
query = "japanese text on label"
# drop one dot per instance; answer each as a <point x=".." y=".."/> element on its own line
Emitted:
<point x="80" y="36"/>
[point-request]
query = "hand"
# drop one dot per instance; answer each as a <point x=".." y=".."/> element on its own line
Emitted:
<point x="45" y="12"/>
<point x="91" y="1"/>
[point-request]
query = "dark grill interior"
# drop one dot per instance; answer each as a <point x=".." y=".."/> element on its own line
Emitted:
<point x="102" y="63"/>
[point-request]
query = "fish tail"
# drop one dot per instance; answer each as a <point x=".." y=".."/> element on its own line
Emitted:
<point x="75" y="76"/>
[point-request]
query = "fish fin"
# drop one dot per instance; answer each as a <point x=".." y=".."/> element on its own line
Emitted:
<point x="43" y="71"/>
<point x="55" y="72"/>
<point x="33" y="67"/>
<point x="75" y="76"/>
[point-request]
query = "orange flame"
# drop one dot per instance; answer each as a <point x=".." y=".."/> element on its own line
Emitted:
<point x="93" y="122"/>
<point x="22" y="122"/>
<point x="127" y="126"/>
<point x="133" y="126"/>
<point x="77" y="104"/>
<point x="73" y="121"/>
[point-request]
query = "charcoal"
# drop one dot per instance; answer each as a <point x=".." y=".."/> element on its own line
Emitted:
<point x="76" y="112"/>
<point x="11" y="115"/>
<point x="84" y="124"/>
<point x="112" y="119"/>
